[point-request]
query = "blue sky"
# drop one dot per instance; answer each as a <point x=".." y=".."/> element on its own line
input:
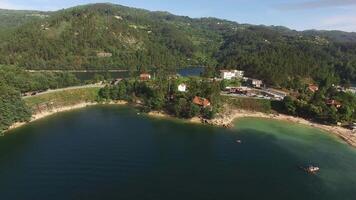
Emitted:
<point x="295" y="14"/>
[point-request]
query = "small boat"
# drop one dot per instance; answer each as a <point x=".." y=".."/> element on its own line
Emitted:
<point x="239" y="141"/>
<point x="311" y="169"/>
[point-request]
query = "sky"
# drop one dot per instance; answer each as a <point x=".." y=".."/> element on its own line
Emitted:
<point x="295" y="14"/>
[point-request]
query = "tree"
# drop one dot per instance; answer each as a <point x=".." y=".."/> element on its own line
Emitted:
<point x="105" y="93"/>
<point x="12" y="107"/>
<point x="289" y="105"/>
<point x="194" y="110"/>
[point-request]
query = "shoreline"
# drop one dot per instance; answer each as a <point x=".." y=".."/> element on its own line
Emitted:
<point x="224" y="119"/>
<point x="47" y="113"/>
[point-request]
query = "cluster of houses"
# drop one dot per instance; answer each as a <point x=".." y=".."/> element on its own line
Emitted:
<point x="330" y="102"/>
<point x="253" y="87"/>
<point x="231" y="74"/>
<point x="203" y="102"/>
<point x="238" y="74"/>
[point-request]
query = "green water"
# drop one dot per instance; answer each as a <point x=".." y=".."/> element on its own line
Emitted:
<point x="108" y="152"/>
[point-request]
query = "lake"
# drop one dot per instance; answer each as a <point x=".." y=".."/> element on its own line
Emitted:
<point x="110" y="152"/>
<point x="185" y="72"/>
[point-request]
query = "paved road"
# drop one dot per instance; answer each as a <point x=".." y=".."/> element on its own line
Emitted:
<point x="68" y="88"/>
<point x="246" y="97"/>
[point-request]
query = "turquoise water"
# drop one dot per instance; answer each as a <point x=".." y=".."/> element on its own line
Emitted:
<point x="109" y="152"/>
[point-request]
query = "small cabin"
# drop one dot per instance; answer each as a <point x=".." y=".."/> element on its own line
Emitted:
<point x="332" y="102"/>
<point x="231" y="74"/>
<point x="255" y="83"/>
<point x="313" y="88"/>
<point x="182" y="87"/>
<point x="145" y="77"/>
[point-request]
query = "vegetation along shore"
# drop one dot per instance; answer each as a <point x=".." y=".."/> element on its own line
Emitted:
<point x="224" y="119"/>
<point x="196" y="99"/>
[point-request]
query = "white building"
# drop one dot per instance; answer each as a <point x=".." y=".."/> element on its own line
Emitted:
<point x="182" y="87"/>
<point x="255" y="83"/>
<point x="231" y="74"/>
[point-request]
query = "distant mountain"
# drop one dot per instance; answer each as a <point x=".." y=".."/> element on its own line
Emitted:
<point x="107" y="36"/>
<point x="337" y="36"/>
<point x="16" y="18"/>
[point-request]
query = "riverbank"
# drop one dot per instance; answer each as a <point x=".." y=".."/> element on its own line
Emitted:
<point x="227" y="118"/>
<point x="49" y="112"/>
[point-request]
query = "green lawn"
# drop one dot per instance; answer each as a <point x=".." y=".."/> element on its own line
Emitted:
<point x="64" y="98"/>
<point x="259" y="105"/>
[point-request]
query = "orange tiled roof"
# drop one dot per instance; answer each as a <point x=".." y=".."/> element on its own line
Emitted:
<point x="201" y="101"/>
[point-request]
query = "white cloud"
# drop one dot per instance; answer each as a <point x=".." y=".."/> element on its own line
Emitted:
<point x="30" y="5"/>
<point x="339" y="22"/>
<point x="313" y="4"/>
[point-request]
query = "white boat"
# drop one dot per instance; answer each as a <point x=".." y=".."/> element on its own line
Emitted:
<point x="311" y="169"/>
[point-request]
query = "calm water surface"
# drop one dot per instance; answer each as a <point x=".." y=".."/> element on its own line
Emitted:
<point x="108" y="152"/>
<point x="185" y="72"/>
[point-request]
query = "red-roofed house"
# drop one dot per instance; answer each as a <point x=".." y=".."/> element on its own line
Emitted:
<point x="201" y="101"/>
<point x="313" y="88"/>
<point x="145" y="77"/>
<point x="335" y="103"/>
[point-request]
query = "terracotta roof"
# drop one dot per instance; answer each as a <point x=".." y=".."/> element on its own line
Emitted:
<point x="145" y="76"/>
<point x="332" y="102"/>
<point x="201" y="101"/>
<point x="313" y="88"/>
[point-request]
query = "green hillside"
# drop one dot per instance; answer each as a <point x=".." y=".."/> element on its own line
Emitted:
<point x="107" y="36"/>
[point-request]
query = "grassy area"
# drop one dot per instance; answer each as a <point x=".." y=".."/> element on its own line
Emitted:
<point x="259" y="105"/>
<point x="63" y="98"/>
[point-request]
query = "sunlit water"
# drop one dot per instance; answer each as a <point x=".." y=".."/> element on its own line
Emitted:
<point x="108" y="152"/>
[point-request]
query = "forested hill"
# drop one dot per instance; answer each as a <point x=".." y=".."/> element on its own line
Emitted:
<point x="107" y="36"/>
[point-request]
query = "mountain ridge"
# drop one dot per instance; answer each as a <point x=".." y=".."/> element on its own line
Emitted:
<point x="134" y="38"/>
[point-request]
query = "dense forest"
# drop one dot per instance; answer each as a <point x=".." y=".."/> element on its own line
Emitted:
<point x="15" y="81"/>
<point x="107" y="36"/>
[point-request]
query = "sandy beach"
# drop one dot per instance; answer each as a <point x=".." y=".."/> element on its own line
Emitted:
<point x="44" y="114"/>
<point x="226" y="120"/>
